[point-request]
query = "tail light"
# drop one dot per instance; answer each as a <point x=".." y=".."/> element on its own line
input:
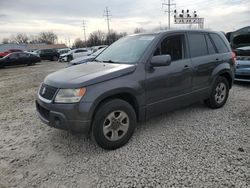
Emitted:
<point x="233" y="57"/>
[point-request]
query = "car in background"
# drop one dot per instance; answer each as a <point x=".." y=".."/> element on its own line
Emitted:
<point x="95" y="48"/>
<point x="73" y="54"/>
<point x="242" y="72"/>
<point x="86" y="59"/>
<point x="63" y="51"/>
<point x="19" y="58"/>
<point x="49" y="54"/>
<point x="2" y="54"/>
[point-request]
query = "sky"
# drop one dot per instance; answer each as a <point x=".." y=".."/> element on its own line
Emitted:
<point x="65" y="17"/>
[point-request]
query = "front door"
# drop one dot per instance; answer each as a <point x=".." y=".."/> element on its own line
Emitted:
<point x="166" y="87"/>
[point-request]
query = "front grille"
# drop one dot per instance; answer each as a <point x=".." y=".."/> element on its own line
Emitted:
<point x="47" y="92"/>
<point x="247" y="77"/>
<point x="43" y="111"/>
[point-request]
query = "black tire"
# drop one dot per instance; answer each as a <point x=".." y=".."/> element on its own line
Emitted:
<point x="102" y="115"/>
<point x="54" y="58"/>
<point x="69" y="58"/>
<point x="218" y="98"/>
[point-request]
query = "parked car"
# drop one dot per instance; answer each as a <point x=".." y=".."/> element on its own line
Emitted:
<point x="95" y="48"/>
<point x="242" y="72"/>
<point x="86" y="59"/>
<point x="64" y="51"/>
<point x="73" y="54"/>
<point x="136" y="78"/>
<point x="49" y="54"/>
<point x="2" y="54"/>
<point x="19" y="58"/>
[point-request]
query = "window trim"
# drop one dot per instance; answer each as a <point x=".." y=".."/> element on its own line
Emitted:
<point x="189" y="42"/>
<point x="184" y="44"/>
<point x="209" y="34"/>
<point x="212" y="42"/>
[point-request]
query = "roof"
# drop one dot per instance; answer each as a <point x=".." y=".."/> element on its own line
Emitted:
<point x="45" y="46"/>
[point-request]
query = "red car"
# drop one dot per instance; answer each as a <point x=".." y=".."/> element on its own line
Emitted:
<point x="2" y="54"/>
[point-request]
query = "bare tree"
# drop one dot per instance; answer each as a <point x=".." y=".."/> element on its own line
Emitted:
<point x="96" y="38"/>
<point x="21" y="38"/>
<point x="79" y="43"/>
<point x="139" y="30"/>
<point x="47" y="37"/>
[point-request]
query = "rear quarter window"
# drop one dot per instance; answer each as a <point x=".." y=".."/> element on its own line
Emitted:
<point x="198" y="45"/>
<point x="219" y="43"/>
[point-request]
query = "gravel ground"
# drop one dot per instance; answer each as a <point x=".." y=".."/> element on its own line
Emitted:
<point x="191" y="147"/>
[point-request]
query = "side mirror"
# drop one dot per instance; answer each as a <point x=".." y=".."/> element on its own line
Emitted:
<point x="160" y="60"/>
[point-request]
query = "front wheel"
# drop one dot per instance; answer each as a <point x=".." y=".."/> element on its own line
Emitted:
<point x="113" y="124"/>
<point x="219" y="93"/>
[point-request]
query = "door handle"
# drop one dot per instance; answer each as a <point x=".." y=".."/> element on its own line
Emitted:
<point x="186" y="67"/>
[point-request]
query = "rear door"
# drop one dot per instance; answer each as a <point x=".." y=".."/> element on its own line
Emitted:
<point x="80" y="53"/>
<point x="23" y="58"/>
<point x="13" y="59"/>
<point x="166" y="87"/>
<point x="204" y="59"/>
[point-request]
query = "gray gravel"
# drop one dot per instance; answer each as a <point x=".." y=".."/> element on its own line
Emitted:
<point x="191" y="147"/>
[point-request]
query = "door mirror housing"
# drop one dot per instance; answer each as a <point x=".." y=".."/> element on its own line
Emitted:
<point x="160" y="60"/>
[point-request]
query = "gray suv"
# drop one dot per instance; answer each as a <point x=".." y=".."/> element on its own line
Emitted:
<point x="136" y="78"/>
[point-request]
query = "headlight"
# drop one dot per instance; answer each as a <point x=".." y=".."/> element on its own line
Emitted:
<point x="70" y="95"/>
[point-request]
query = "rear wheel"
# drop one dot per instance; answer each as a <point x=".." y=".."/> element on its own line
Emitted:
<point x="113" y="124"/>
<point x="55" y="58"/>
<point x="219" y="93"/>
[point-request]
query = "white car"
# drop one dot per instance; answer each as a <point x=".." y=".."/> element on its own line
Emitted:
<point x="73" y="54"/>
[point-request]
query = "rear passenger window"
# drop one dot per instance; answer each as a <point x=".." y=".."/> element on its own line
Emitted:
<point x="173" y="46"/>
<point x="219" y="43"/>
<point x="210" y="46"/>
<point x="198" y="46"/>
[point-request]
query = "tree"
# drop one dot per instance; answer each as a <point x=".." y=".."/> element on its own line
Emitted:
<point x="139" y="30"/>
<point x="79" y="43"/>
<point x="96" y="38"/>
<point x="47" y="37"/>
<point x="21" y="38"/>
<point x="114" y="36"/>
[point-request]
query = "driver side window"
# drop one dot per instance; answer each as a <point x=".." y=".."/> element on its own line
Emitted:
<point x="173" y="46"/>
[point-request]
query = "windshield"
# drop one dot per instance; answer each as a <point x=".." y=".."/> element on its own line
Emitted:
<point x="98" y="52"/>
<point x="126" y="50"/>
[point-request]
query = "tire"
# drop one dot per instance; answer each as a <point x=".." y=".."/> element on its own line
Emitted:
<point x="69" y="58"/>
<point x="219" y="93"/>
<point x="113" y="124"/>
<point x="55" y="58"/>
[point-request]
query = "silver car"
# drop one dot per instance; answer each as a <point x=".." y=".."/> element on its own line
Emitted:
<point x="242" y="64"/>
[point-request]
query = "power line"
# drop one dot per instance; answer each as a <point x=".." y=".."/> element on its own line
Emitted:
<point x="84" y="30"/>
<point x="169" y="5"/>
<point x="107" y="15"/>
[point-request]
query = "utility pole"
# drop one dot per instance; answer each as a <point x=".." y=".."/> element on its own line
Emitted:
<point x="169" y="4"/>
<point x="107" y="15"/>
<point x="84" y="30"/>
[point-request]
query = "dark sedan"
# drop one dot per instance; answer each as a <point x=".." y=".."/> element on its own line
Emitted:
<point x="19" y="58"/>
<point x="243" y="64"/>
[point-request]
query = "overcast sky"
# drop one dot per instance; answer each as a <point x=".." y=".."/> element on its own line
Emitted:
<point x="64" y="17"/>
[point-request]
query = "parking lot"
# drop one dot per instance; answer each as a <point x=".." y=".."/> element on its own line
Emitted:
<point x="191" y="147"/>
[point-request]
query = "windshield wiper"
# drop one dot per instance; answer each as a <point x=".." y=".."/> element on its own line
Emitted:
<point x="109" y="61"/>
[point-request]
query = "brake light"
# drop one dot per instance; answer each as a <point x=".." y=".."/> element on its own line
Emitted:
<point x="233" y="57"/>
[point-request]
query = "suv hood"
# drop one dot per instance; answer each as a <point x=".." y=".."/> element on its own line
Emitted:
<point x="87" y="74"/>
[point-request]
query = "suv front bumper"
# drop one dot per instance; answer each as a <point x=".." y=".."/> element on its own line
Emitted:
<point x="72" y="117"/>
